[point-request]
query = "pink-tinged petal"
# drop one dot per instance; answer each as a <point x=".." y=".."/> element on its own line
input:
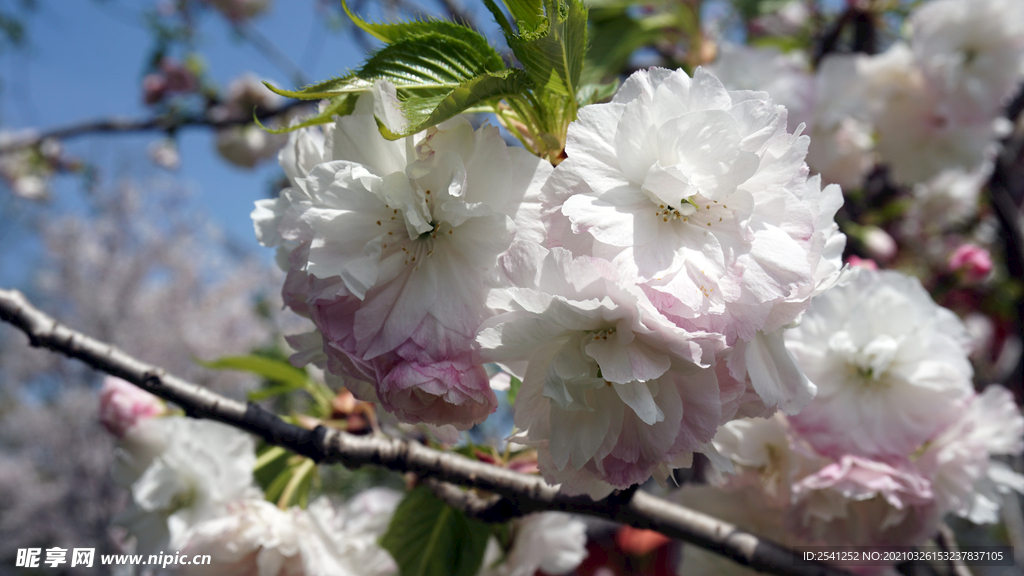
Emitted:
<point x="865" y="503"/>
<point x="638" y="397"/>
<point x="577" y="434"/>
<point x="392" y="312"/>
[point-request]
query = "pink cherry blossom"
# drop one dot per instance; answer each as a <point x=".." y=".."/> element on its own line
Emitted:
<point x="612" y="392"/>
<point x="974" y="261"/>
<point x="862" y="502"/>
<point x="389" y="247"/>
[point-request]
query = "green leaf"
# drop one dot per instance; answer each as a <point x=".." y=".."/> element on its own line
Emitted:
<point x="273" y="492"/>
<point x="272" y="461"/>
<point x="325" y="89"/>
<point x="271" y="369"/>
<point x="552" y="52"/>
<point x="297" y="488"/>
<point x="529" y="14"/>
<point x="270" y="392"/>
<point x="392" y="32"/>
<point x="337" y="106"/>
<point x="427" y="537"/>
<point x="591" y="93"/>
<point x="513" y="389"/>
<point x="430" y="61"/>
<point x="474" y="45"/>
<point x="423" y="112"/>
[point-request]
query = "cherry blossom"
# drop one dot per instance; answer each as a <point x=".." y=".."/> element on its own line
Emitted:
<point x="612" y="392"/>
<point x="389" y="246"/>
<point x="550" y="542"/>
<point x="967" y="481"/>
<point x="181" y="472"/>
<point x="971" y="52"/>
<point x="864" y="502"/>
<point x="714" y="215"/>
<point x="890" y="366"/>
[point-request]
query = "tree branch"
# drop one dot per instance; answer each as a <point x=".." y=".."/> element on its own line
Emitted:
<point x="157" y="123"/>
<point x="519" y="493"/>
<point x="1006" y="189"/>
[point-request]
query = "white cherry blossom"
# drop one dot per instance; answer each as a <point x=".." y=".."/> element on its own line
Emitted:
<point x="255" y="537"/>
<point x="181" y="471"/>
<point x="890" y="366"/>
<point x="971" y="51"/>
<point x="611" y="392"/>
<point x="703" y="195"/>
<point x="389" y="245"/>
<point x="967" y="481"/>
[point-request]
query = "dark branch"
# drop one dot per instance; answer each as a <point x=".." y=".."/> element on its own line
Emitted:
<point x="157" y="123"/>
<point x="520" y="493"/>
<point x="1006" y="191"/>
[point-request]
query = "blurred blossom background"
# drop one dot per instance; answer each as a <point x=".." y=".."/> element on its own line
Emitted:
<point x="137" y="230"/>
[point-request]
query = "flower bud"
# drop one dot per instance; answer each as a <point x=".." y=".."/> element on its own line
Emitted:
<point x="974" y="261"/>
<point x="122" y="405"/>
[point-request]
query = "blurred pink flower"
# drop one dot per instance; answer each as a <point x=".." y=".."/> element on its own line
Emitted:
<point x="857" y="261"/>
<point x="172" y="77"/>
<point x="974" y="261"/>
<point x="864" y="502"/>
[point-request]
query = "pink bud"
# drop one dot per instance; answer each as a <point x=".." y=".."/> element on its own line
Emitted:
<point x="857" y="261"/>
<point x="973" y="260"/>
<point x="154" y="87"/>
<point x="123" y="404"/>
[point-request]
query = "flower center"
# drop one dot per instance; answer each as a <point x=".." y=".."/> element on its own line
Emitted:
<point x="869" y="362"/>
<point x="695" y="210"/>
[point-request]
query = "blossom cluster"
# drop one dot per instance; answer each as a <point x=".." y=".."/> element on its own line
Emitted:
<point x="639" y="290"/>
<point x="192" y="489"/>
<point x="927" y="107"/>
<point x="912" y="132"/>
<point x="895" y="440"/>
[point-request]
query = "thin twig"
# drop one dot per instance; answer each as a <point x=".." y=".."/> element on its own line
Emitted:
<point x="946" y="540"/>
<point x="157" y="123"/>
<point x="523" y="493"/>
